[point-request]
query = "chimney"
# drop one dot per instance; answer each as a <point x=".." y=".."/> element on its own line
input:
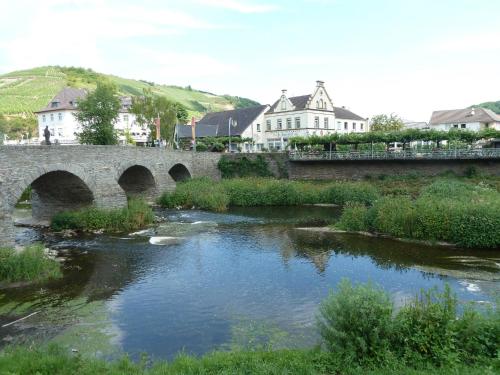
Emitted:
<point x="283" y="92"/>
<point x="320" y="83"/>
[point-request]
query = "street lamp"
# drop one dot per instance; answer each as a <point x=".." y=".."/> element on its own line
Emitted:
<point x="231" y="122"/>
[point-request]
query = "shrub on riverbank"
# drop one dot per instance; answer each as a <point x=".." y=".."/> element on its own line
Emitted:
<point x="136" y="215"/>
<point x="446" y="210"/>
<point x="29" y="264"/>
<point x="212" y="195"/>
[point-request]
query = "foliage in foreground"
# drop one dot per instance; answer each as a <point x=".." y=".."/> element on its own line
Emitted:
<point x="207" y="194"/>
<point x="136" y="215"/>
<point x="29" y="264"/>
<point x="446" y="210"/>
<point x="361" y="331"/>
<point x="361" y="325"/>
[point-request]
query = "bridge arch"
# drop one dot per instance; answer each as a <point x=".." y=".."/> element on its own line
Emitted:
<point x="179" y="172"/>
<point x="54" y="189"/>
<point x="137" y="180"/>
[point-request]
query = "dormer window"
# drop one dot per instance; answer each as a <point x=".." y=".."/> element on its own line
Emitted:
<point x="54" y="104"/>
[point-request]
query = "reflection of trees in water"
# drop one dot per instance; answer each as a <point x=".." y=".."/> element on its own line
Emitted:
<point x="386" y="253"/>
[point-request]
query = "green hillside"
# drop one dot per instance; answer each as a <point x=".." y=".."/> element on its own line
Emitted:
<point x="494" y="106"/>
<point x="27" y="91"/>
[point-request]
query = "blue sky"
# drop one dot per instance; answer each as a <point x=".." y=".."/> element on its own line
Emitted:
<point x="407" y="57"/>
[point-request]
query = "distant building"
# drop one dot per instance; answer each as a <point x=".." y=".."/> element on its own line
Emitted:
<point x="248" y="124"/>
<point x="270" y="127"/>
<point x="58" y="115"/>
<point x="474" y="119"/>
<point x="307" y="115"/>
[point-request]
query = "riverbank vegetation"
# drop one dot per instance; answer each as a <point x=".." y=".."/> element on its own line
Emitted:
<point x="28" y="265"/>
<point x="361" y="333"/>
<point x="207" y="194"/>
<point x="447" y="210"/>
<point x="136" y="215"/>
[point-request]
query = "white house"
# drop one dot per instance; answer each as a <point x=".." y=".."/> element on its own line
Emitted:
<point x="58" y="115"/>
<point x="270" y="127"/>
<point x="474" y="119"/>
<point x="307" y="115"/>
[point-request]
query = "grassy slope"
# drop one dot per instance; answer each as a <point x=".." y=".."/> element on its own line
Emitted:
<point x="494" y="106"/>
<point x="29" y="90"/>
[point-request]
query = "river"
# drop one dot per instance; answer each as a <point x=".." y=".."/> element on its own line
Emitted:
<point x="247" y="278"/>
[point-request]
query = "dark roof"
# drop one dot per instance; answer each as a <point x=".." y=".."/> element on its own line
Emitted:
<point x="65" y="99"/>
<point x="68" y="97"/>
<point x="216" y="124"/>
<point x="463" y="115"/>
<point x="203" y="130"/>
<point x="345" y="114"/>
<point x="300" y="103"/>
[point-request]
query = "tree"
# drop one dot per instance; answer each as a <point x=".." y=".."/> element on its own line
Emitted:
<point x="97" y="115"/>
<point x="149" y="107"/>
<point x="386" y="123"/>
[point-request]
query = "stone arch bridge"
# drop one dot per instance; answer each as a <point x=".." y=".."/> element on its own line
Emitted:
<point x="70" y="177"/>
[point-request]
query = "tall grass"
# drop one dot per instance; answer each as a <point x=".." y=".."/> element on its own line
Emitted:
<point x="136" y="215"/>
<point x="254" y="191"/>
<point x="30" y="264"/>
<point x="446" y="210"/>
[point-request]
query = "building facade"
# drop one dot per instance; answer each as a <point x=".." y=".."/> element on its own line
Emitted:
<point x="270" y="127"/>
<point x="59" y="117"/>
<point x="474" y="119"/>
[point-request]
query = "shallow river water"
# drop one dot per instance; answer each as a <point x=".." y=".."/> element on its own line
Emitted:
<point x="202" y="281"/>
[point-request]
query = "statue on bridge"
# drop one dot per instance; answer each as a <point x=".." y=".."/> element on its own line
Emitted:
<point x="46" y="134"/>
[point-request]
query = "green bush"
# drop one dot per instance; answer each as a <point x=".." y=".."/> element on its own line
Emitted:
<point x="244" y="167"/>
<point x="393" y="215"/>
<point x="30" y="264"/>
<point x="355" y="323"/>
<point x="343" y="192"/>
<point x="136" y="215"/>
<point x="202" y="193"/>
<point x="354" y="217"/>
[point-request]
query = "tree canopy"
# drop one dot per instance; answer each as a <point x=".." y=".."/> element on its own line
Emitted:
<point x="97" y="115"/>
<point x="386" y="123"/>
<point x="404" y="136"/>
<point x="149" y="107"/>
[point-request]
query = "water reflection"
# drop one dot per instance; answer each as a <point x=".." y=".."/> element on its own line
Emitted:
<point x="248" y="277"/>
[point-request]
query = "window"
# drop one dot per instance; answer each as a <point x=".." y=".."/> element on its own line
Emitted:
<point x="283" y="104"/>
<point x="321" y="105"/>
<point x="297" y="122"/>
<point x="288" y="123"/>
<point x="325" y="122"/>
<point x="268" y="125"/>
<point x="280" y="124"/>
<point x="54" y="105"/>
<point x="51" y="117"/>
<point x="60" y="132"/>
<point x="52" y="132"/>
<point x="316" y="122"/>
<point x="345" y="126"/>
<point x="339" y="125"/>
<point x="125" y="118"/>
<point x="455" y="125"/>
<point x="43" y="118"/>
<point x="59" y="115"/>
<point x="361" y="126"/>
<point x="317" y="104"/>
<point x="258" y="127"/>
<point x="463" y="126"/>
<point x="353" y="126"/>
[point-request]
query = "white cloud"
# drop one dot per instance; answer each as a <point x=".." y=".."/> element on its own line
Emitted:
<point x="240" y="6"/>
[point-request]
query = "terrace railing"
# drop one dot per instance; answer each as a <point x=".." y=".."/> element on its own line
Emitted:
<point x="483" y="153"/>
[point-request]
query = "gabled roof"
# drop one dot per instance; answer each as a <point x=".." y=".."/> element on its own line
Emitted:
<point x="300" y="103"/>
<point x="65" y="99"/>
<point x="344" y="114"/>
<point x="204" y="130"/>
<point x="216" y="124"/>
<point x="466" y="115"/>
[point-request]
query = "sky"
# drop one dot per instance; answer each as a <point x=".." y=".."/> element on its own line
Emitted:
<point x="375" y="56"/>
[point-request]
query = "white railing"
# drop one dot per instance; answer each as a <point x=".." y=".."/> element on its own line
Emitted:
<point x="481" y="153"/>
